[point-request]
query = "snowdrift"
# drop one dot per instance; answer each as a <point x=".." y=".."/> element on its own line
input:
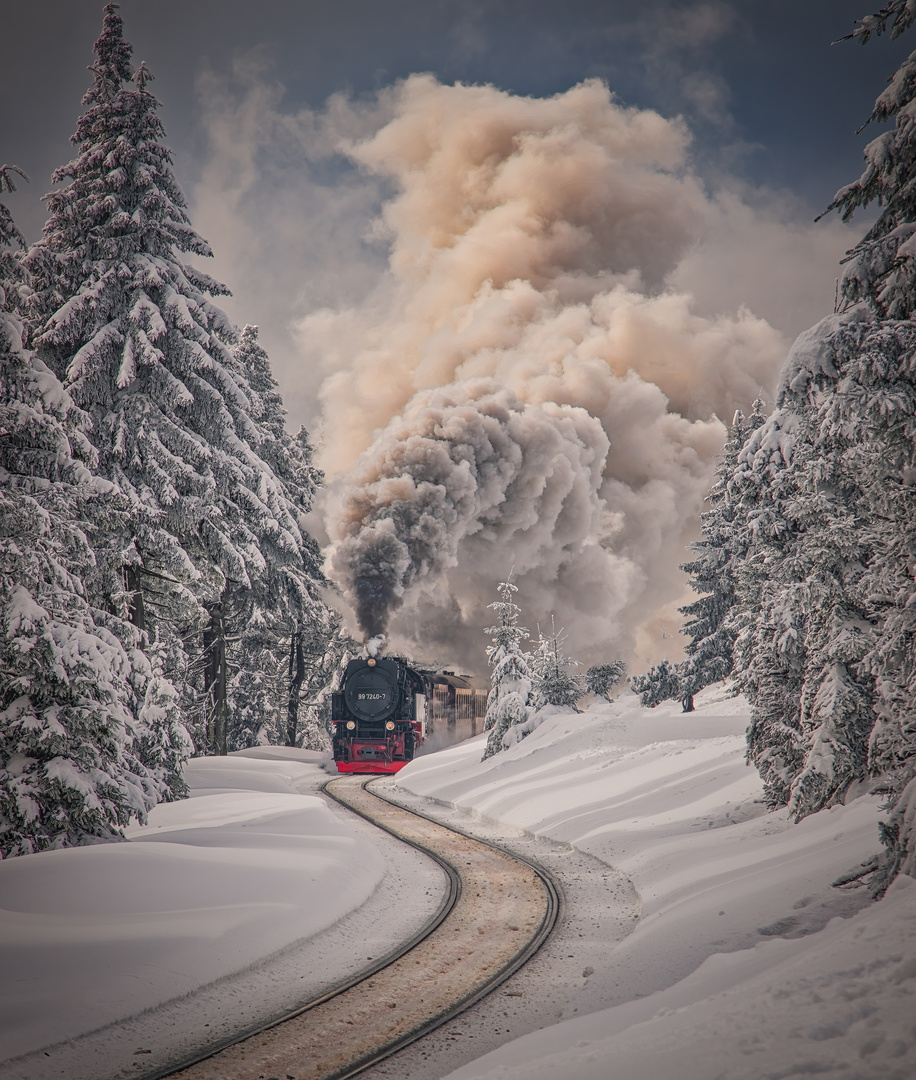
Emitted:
<point x="743" y="962"/>
<point x="212" y="885"/>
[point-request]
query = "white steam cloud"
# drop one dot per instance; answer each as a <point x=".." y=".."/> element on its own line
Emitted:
<point x="523" y="389"/>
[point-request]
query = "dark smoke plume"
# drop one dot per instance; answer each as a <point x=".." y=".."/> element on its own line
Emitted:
<point x="468" y="460"/>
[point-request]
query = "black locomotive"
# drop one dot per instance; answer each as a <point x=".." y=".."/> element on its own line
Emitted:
<point x="386" y="709"/>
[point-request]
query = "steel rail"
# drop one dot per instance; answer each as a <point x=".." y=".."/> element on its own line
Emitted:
<point x="448" y="902"/>
<point x="492" y="892"/>
<point x="553" y="895"/>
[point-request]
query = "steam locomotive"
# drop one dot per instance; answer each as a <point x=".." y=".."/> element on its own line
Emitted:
<point x="386" y="709"/>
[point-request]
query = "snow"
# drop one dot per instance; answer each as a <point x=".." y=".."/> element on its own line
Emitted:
<point x="814" y="350"/>
<point x="841" y="1005"/>
<point x="246" y="868"/>
<point x="738" y="964"/>
<point x="727" y="953"/>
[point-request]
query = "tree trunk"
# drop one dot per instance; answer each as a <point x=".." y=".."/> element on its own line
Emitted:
<point x="136" y="610"/>
<point x="215" y="679"/>
<point x="296" y="677"/>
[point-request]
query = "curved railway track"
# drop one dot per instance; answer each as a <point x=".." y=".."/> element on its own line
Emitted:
<point x="499" y="911"/>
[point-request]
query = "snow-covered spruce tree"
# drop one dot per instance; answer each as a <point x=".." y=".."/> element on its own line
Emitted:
<point x="826" y="631"/>
<point x="281" y="632"/>
<point x="667" y="682"/>
<point x="712" y="619"/>
<point x="110" y="307"/>
<point x="511" y="679"/>
<point x="660" y="683"/>
<point x="722" y="546"/>
<point x="281" y="698"/>
<point x="600" y="679"/>
<point x="836" y="588"/>
<point x="316" y="666"/>
<point x="12" y="278"/>
<point x="881" y="271"/>
<point x="77" y="698"/>
<point x="148" y="355"/>
<point x="768" y="652"/>
<point x="835" y="545"/>
<point x="553" y="683"/>
<point x="888" y="357"/>
<point x="800" y="638"/>
<point x="877" y="401"/>
<point x="807" y="616"/>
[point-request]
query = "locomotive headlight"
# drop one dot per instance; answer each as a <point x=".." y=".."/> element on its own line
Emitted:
<point x="350" y="725"/>
<point x="390" y="725"/>
<point x="371" y="662"/>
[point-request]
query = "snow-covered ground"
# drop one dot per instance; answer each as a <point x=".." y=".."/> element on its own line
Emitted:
<point x="225" y="911"/>
<point x="727" y="960"/>
<point x="737" y="965"/>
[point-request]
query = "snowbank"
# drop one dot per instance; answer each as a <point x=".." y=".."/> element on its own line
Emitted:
<point x="211" y="885"/>
<point x="839" y="1004"/>
<point x="735" y="929"/>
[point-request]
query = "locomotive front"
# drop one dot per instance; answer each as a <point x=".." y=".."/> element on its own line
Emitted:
<point x="378" y="716"/>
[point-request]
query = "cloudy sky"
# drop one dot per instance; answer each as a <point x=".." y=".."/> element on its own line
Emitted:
<point x="610" y="221"/>
<point x="769" y="102"/>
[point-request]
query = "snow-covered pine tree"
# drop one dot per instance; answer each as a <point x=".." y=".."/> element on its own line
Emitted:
<point x="148" y="355"/>
<point x="108" y="295"/>
<point x="722" y="546"/>
<point x="342" y="647"/>
<point x="838" y="583"/>
<point x="660" y="683"/>
<point x="900" y="14"/>
<point x="825" y="615"/>
<point x="805" y="622"/>
<point x="600" y="679"/>
<point x="888" y="358"/>
<point x="882" y="375"/>
<point x="553" y="683"/>
<point x="79" y="703"/>
<point x="807" y="615"/>
<point x="282" y="609"/>
<point x="307" y="714"/>
<point x="835" y="458"/>
<point x="667" y="682"/>
<point x="712" y="618"/>
<point x="881" y="270"/>
<point x="770" y="614"/>
<point x="12" y="278"/>
<point x="876" y="401"/>
<point x="511" y="679"/>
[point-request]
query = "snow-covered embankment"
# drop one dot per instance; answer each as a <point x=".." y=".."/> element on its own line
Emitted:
<point x="734" y="964"/>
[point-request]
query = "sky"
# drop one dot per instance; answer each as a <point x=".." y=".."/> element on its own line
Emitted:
<point x="766" y="96"/>
<point x="572" y="237"/>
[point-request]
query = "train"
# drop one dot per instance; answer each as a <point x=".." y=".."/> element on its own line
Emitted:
<point x="386" y="709"/>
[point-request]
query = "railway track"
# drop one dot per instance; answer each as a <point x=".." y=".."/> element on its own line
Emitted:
<point x="500" y="910"/>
